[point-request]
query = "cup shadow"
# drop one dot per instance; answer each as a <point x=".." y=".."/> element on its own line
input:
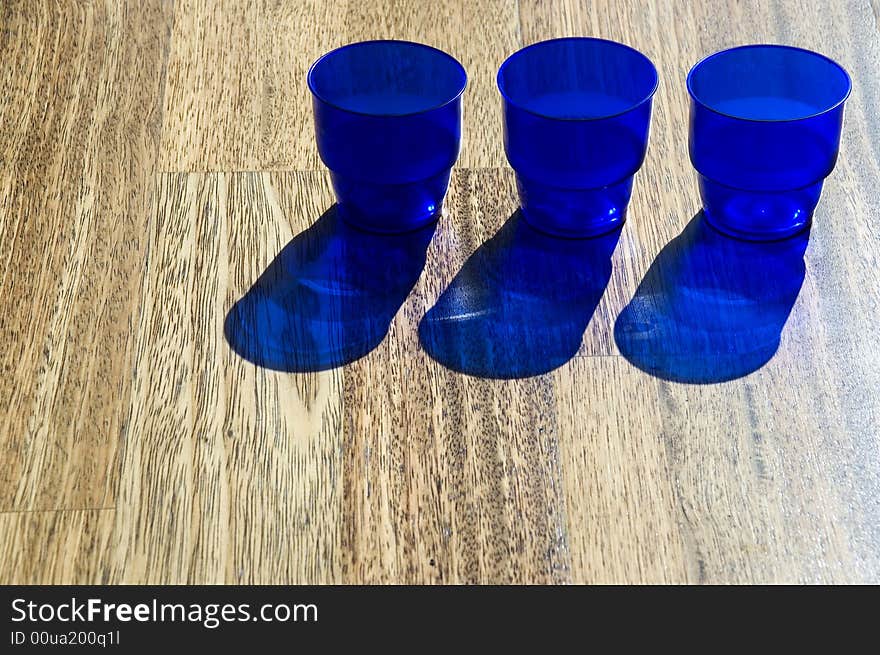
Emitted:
<point x="328" y="298"/>
<point x="711" y="308"/>
<point x="520" y="304"/>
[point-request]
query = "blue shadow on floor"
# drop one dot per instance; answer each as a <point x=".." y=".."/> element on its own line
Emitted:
<point x="328" y="298"/>
<point x="520" y="304"/>
<point x="711" y="308"/>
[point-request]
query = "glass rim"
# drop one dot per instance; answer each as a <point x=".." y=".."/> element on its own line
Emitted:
<point x="397" y="42"/>
<point x="581" y="39"/>
<point x="769" y="46"/>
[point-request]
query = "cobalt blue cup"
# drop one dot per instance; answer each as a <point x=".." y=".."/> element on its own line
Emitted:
<point x="764" y="134"/>
<point x="388" y="126"/>
<point x="576" y="119"/>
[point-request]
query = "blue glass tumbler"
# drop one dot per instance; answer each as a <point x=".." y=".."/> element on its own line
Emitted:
<point x="388" y="126"/>
<point x="764" y="134"/>
<point x="576" y="119"/>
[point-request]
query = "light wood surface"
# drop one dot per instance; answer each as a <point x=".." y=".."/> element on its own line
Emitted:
<point x="157" y="155"/>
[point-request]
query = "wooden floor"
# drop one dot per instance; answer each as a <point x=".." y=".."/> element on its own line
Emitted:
<point x="157" y="155"/>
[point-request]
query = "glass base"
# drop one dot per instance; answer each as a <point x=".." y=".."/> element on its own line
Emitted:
<point x="759" y="215"/>
<point x="574" y="213"/>
<point x="390" y="208"/>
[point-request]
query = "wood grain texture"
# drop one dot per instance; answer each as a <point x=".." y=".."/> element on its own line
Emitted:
<point x="245" y="463"/>
<point x="80" y="123"/>
<point x="450" y="479"/>
<point x="212" y="112"/>
<point x="157" y="156"/>
<point x="56" y="546"/>
<point x="251" y="109"/>
<point x="622" y="524"/>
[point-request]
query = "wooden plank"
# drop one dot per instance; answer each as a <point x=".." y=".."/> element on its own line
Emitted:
<point x="230" y="473"/>
<point x="775" y="480"/>
<point x="213" y="96"/>
<point x="80" y="119"/>
<point x="55" y="547"/>
<point x="237" y="95"/>
<point x="295" y="34"/>
<point x="449" y="478"/>
<point x="622" y="518"/>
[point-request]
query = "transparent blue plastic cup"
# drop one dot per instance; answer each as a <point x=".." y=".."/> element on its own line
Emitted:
<point x="576" y="119"/>
<point x="388" y="126"/>
<point x="764" y="134"/>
